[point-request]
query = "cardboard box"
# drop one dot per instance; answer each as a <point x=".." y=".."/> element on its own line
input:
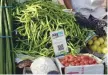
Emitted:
<point x="58" y="39"/>
<point x="85" y="69"/>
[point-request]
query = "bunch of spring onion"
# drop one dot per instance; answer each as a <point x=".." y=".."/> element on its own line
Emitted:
<point x="6" y="53"/>
<point x="34" y="20"/>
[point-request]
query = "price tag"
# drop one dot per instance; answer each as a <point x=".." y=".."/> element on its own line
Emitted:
<point x="59" y="42"/>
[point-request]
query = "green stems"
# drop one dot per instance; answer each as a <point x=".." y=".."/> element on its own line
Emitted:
<point x="6" y="53"/>
<point x="1" y="40"/>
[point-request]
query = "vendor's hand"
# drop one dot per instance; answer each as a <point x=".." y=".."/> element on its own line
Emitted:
<point x="105" y="4"/>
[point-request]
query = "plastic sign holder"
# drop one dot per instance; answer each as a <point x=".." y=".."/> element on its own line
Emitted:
<point x="59" y="42"/>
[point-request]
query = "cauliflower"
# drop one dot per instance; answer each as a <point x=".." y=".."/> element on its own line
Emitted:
<point x="43" y="65"/>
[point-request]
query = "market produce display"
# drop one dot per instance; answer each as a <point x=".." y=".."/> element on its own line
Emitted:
<point x="98" y="44"/>
<point x="7" y="64"/>
<point x="26" y="44"/>
<point x="77" y="60"/>
<point x="34" y="20"/>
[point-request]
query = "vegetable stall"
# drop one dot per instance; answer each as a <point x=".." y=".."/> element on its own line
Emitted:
<point x="25" y="40"/>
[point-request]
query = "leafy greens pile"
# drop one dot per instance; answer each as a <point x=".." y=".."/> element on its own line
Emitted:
<point x="34" y="20"/>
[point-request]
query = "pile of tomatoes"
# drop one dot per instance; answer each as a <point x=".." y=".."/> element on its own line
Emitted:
<point x="77" y="60"/>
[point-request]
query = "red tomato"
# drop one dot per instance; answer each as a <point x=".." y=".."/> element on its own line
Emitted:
<point x="71" y="60"/>
<point x="79" y="59"/>
<point x="70" y="56"/>
<point x="72" y="63"/>
<point x="90" y="62"/>
<point x="66" y="59"/>
<point x="77" y="64"/>
<point x="76" y="61"/>
<point x="85" y="57"/>
<point x="66" y="56"/>
<point x="66" y="64"/>
<point x="86" y="62"/>
<point x="75" y="57"/>
<point x="82" y="63"/>
<point x="82" y="57"/>
<point x="94" y="61"/>
<point x="62" y="63"/>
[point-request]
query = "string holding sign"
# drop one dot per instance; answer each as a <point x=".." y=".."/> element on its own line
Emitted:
<point x="5" y="36"/>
